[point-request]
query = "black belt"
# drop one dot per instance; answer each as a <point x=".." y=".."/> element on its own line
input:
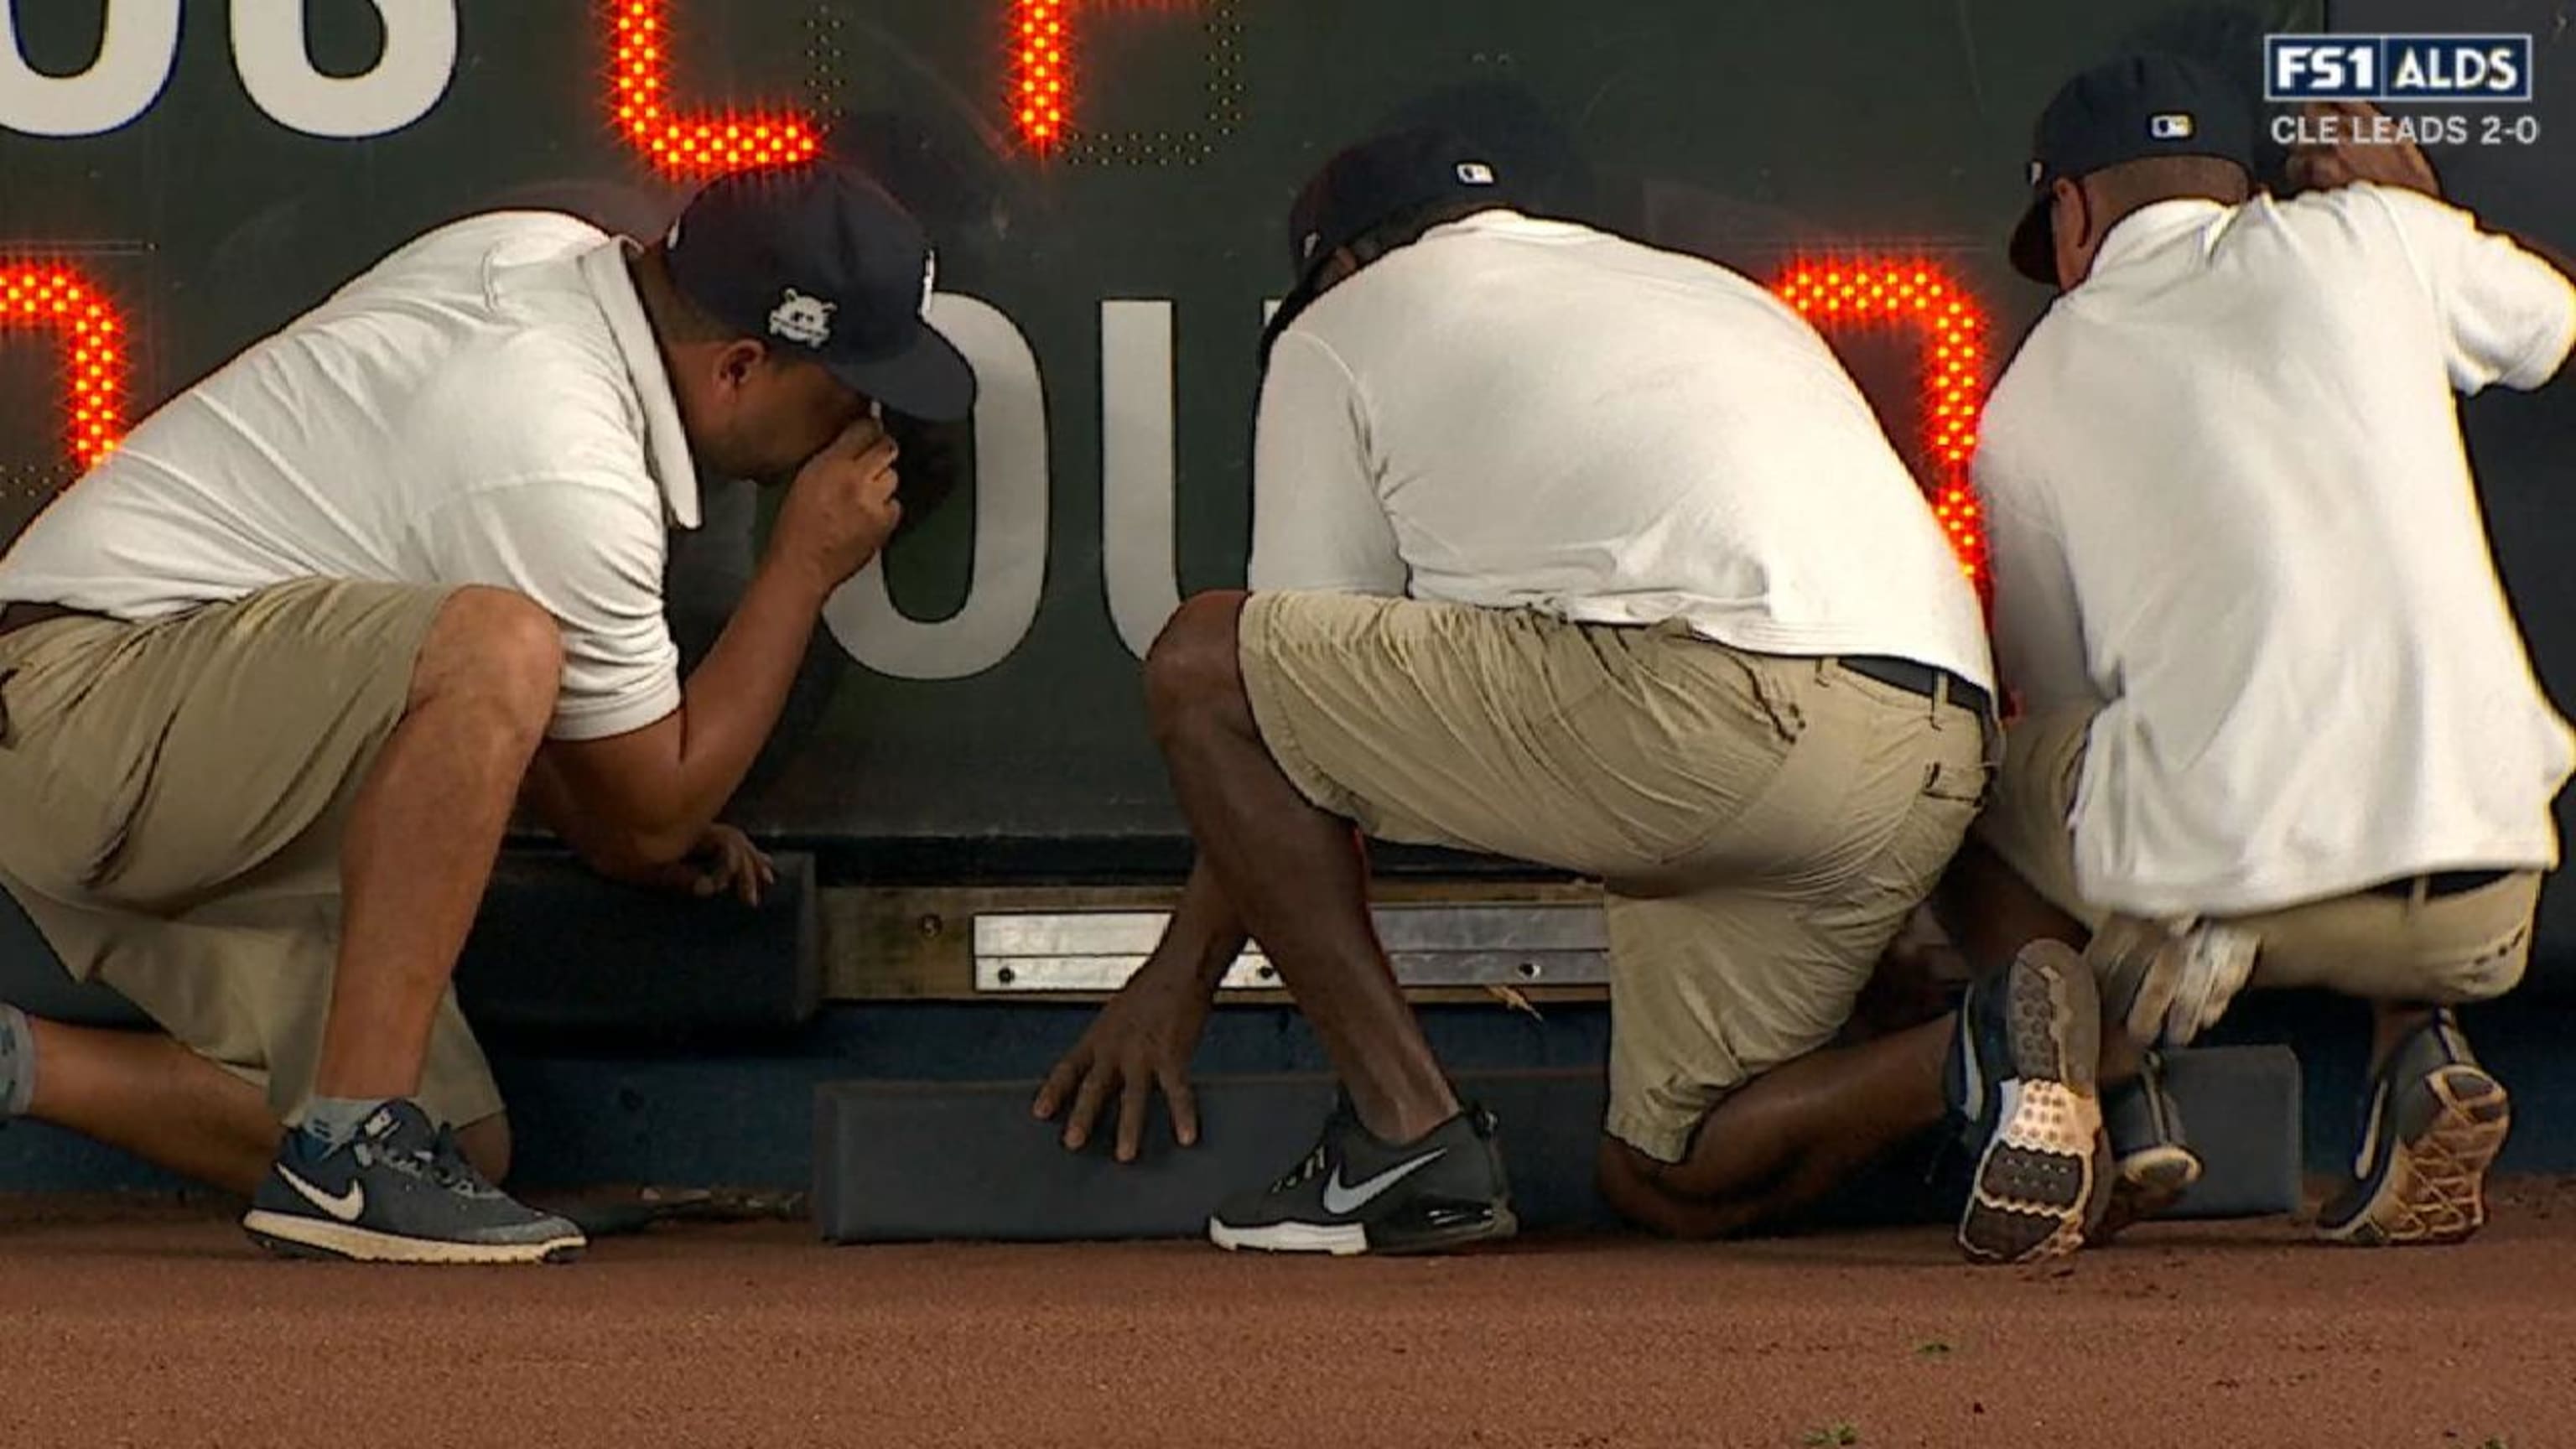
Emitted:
<point x="1918" y="678"/>
<point x="14" y="617"/>
<point x="2441" y="883"/>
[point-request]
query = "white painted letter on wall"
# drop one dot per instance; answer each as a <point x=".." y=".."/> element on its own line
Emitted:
<point x="276" y="63"/>
<point x="139" y="46"/>
<point x="1010" y="521"/>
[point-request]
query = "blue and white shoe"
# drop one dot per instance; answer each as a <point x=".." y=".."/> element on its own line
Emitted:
<point x="2437" y="1121"/>
<point x="397" y="1192"/>
<point x="2022" y="1071"/>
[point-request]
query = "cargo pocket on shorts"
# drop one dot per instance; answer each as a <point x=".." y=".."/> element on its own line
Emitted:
<point x="2489" y="974"/>
<point x="1962" y="784"/>
<point x="1703" y="735"/>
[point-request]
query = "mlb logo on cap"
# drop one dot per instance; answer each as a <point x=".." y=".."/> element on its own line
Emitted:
<point x="1475" y="173"/>
<point x="2131" y="109"/>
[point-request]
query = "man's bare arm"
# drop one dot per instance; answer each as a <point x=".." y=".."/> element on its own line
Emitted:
<point x="1145" y="1035"/>
<point x="643" y="799"/>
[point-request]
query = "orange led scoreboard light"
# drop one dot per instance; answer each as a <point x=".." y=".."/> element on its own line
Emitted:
<point x="58" y="299"/>
<point x="1882" y="293"/>
<point x="688" y="145"/>
<point x="1040" y="78"/>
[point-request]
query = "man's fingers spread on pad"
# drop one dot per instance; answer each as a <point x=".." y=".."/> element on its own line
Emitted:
<point x="1051" y="1092"/>
<point x="1086" y="1106"/>
<point x="1133" y="1099"/>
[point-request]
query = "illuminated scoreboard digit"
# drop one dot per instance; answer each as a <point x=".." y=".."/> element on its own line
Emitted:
<point x="1042" y="39"/>
<point x="640" y="47"/>
<point x="57" y="299"/>
<point x="1039" y="42"/>
<point x="1881" y="293"/>
<point x="1040" y="76"/>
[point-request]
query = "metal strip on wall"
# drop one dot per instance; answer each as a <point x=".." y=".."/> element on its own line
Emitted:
<point x="1518" y="945"/>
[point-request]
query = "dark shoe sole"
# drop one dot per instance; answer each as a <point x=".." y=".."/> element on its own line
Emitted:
<point x="2042" y="1179"/>
<point x="289" y="1236"/>
<point x="1494" y="1225"/>
<point x="2434" y="1190"/>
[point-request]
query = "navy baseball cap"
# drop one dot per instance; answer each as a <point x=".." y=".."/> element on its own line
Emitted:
<point x="1375" y="182"/>
<point x="818" y="258"/>
<point x="2130" y="109"/>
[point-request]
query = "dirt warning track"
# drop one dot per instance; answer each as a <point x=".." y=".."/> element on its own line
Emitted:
<point x="160" y="1327"/>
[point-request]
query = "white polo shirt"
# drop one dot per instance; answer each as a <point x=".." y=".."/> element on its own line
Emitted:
<point x="1528" y="414"/>
<point x="2228" y="501"/>
<point x="486" y="406"/>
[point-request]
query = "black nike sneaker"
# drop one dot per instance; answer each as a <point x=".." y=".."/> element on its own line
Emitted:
<point x="1357" y="1194"/>
<point x="398" y="1192"/>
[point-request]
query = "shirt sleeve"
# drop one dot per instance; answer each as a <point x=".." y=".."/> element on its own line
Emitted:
<point x="2038" y="616"/>
<point x="2507" y="316"/>
<point x="1317" y="521"/>
<point x="593" y="557"/>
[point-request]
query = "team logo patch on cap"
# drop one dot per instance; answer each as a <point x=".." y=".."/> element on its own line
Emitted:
<point x="1475" y="173"/>
<point x="2035" y="170"/>
<point x="800" y="318"/>
<point x="2170" y="126"/>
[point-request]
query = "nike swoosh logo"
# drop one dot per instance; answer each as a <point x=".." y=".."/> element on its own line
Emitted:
<point x="1340" y="1200"/>
<point x="2363" y="1160"/>
<point x="1972" y="1072"/>
<point x="346" y="1206"/>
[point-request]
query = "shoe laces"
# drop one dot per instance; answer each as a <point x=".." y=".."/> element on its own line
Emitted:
<point x="1304" y="1172"/>
<point x="441" y="1164"/>
<point x="451" y="1168"/>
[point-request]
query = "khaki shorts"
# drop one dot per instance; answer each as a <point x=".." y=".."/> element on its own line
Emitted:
<point x="2406" y="948"/>
<point x="176" y="793"/>
<point x="1763" y="824"/>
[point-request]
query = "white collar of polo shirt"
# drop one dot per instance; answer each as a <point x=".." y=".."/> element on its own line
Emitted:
<point x="666" y="442"/>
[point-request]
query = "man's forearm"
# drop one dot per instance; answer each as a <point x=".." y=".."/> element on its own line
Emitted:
<point x="732" y="701"/>
<point x="641" y="801"/>
<point x="547" y="797"/>
<point x="1206" y="934"/>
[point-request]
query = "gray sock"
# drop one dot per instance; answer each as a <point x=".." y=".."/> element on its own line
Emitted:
<point x="334" y="1120"/>
<point x="17" y="1063"/>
